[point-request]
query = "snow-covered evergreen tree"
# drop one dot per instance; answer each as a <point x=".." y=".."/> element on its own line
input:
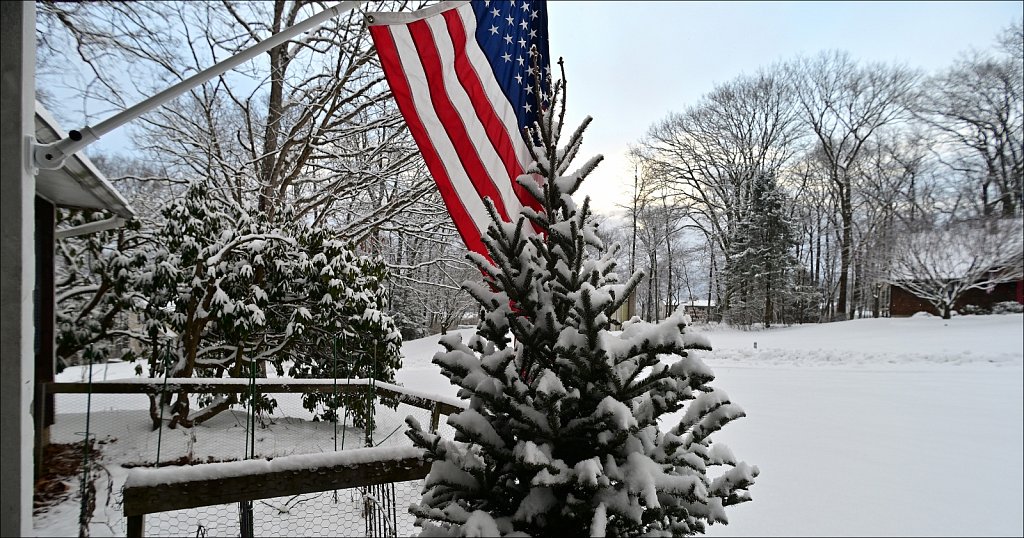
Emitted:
<point x="562" y="435"/>
<point x="760" y="277"/>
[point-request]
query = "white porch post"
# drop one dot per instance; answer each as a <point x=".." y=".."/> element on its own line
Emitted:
<point x="17" y="264"/>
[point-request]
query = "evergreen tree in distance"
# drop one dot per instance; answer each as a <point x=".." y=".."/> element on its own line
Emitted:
<point x="762" y="268"/>
<point x="562" y="437"/>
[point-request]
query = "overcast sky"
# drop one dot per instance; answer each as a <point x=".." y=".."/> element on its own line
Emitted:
<point x="629" y="63"/>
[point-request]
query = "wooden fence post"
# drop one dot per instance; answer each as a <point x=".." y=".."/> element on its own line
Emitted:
<point x="136" y="526"/>
<point x="435" y="416"/>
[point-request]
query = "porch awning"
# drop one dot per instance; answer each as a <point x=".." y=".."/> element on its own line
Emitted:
<point x="78" y="183"/>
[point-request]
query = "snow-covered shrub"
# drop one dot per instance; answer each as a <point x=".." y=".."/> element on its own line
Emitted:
<point x="353" y="338"/>
<point x="562" y="436"/>
<point x="975" y="310"/>
<point x="1002" y="307"/>
<point x="93" y="287"/>
<point x="222" y="290"/>
<point x="1007" y="307"/>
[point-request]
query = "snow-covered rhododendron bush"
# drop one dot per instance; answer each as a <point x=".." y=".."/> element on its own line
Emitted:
<point x="561" y="436"/>
<point x="215" y="288"/>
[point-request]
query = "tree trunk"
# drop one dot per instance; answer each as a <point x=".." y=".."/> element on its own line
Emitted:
<point x="817" y="256"/>
<point x="845" y="253"/>
<point x="221" y="404"/>
<point x="669" y="288"/>
<point x="716" y="282"/>
<point x="656" y="283"/>
<point x="636" y="199"/>
<point x="711" y="278"/>
<point x="275" y="101"/>
<point x="154" y="410"/>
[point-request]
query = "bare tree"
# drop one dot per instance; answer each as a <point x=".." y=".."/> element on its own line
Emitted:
<point x="940" y="265"/>
<point x="976" y="111"/>
<point x="845" y="104"/>
<point x="309" y="126"/>
<point x="1011" y="40"/>
<point x="642" y="195"/>
<point x="89" y="47"/>
<point x="710" y="155"/>
<point x="887" y="180"/>
<point x="427" y="286"/>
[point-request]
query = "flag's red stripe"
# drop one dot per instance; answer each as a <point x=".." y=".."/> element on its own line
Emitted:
<point x="470" y="80"/>
<point x="450" y="120"/>
<point x="497" y="133"/>
<point x="392" y="66"/>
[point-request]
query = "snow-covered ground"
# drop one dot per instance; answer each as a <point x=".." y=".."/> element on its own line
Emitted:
<point x="865" y="427"/>
<point x="878" y="427"/>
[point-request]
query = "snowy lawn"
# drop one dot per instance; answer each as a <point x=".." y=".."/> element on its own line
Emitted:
<point x="866" y="427"/>
<point x="877" y="427"/>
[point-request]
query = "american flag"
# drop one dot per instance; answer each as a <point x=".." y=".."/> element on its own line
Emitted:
<point x="463" y="78"/>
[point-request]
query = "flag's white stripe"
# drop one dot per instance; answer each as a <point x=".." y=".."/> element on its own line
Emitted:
<point x="491" y="87"/>
<point x="435" y="130"/>
<point x="464" y="107"/>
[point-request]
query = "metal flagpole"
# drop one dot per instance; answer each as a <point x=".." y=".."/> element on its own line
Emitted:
<point x="51" y="156"/>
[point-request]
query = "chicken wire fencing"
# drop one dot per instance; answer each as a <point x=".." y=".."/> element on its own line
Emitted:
<point x="378" y="510"/>
<point x="122" y="425"/>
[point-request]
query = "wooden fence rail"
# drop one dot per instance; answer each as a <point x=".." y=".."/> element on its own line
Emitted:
<point x="148" y="491"/>
<point x="404" y="395"/>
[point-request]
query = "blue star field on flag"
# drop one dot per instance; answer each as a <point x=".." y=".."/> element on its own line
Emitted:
<point x="506" y="31"/>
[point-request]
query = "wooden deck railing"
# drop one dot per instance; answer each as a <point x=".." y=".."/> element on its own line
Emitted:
<point x="436" y="404"/>
<point x="148" y="490"/>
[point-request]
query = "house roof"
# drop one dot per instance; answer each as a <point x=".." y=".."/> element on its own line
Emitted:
<point x="78" y="183"/>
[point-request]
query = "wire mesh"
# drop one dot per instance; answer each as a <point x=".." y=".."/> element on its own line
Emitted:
<point x="122" y="423"/>
<point x="381" y="510"/>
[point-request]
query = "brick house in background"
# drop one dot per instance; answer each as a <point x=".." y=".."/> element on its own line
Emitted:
<point x="975" y="263"/>
<point x="699" y="309"/>
<point x="904" y="303"/>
